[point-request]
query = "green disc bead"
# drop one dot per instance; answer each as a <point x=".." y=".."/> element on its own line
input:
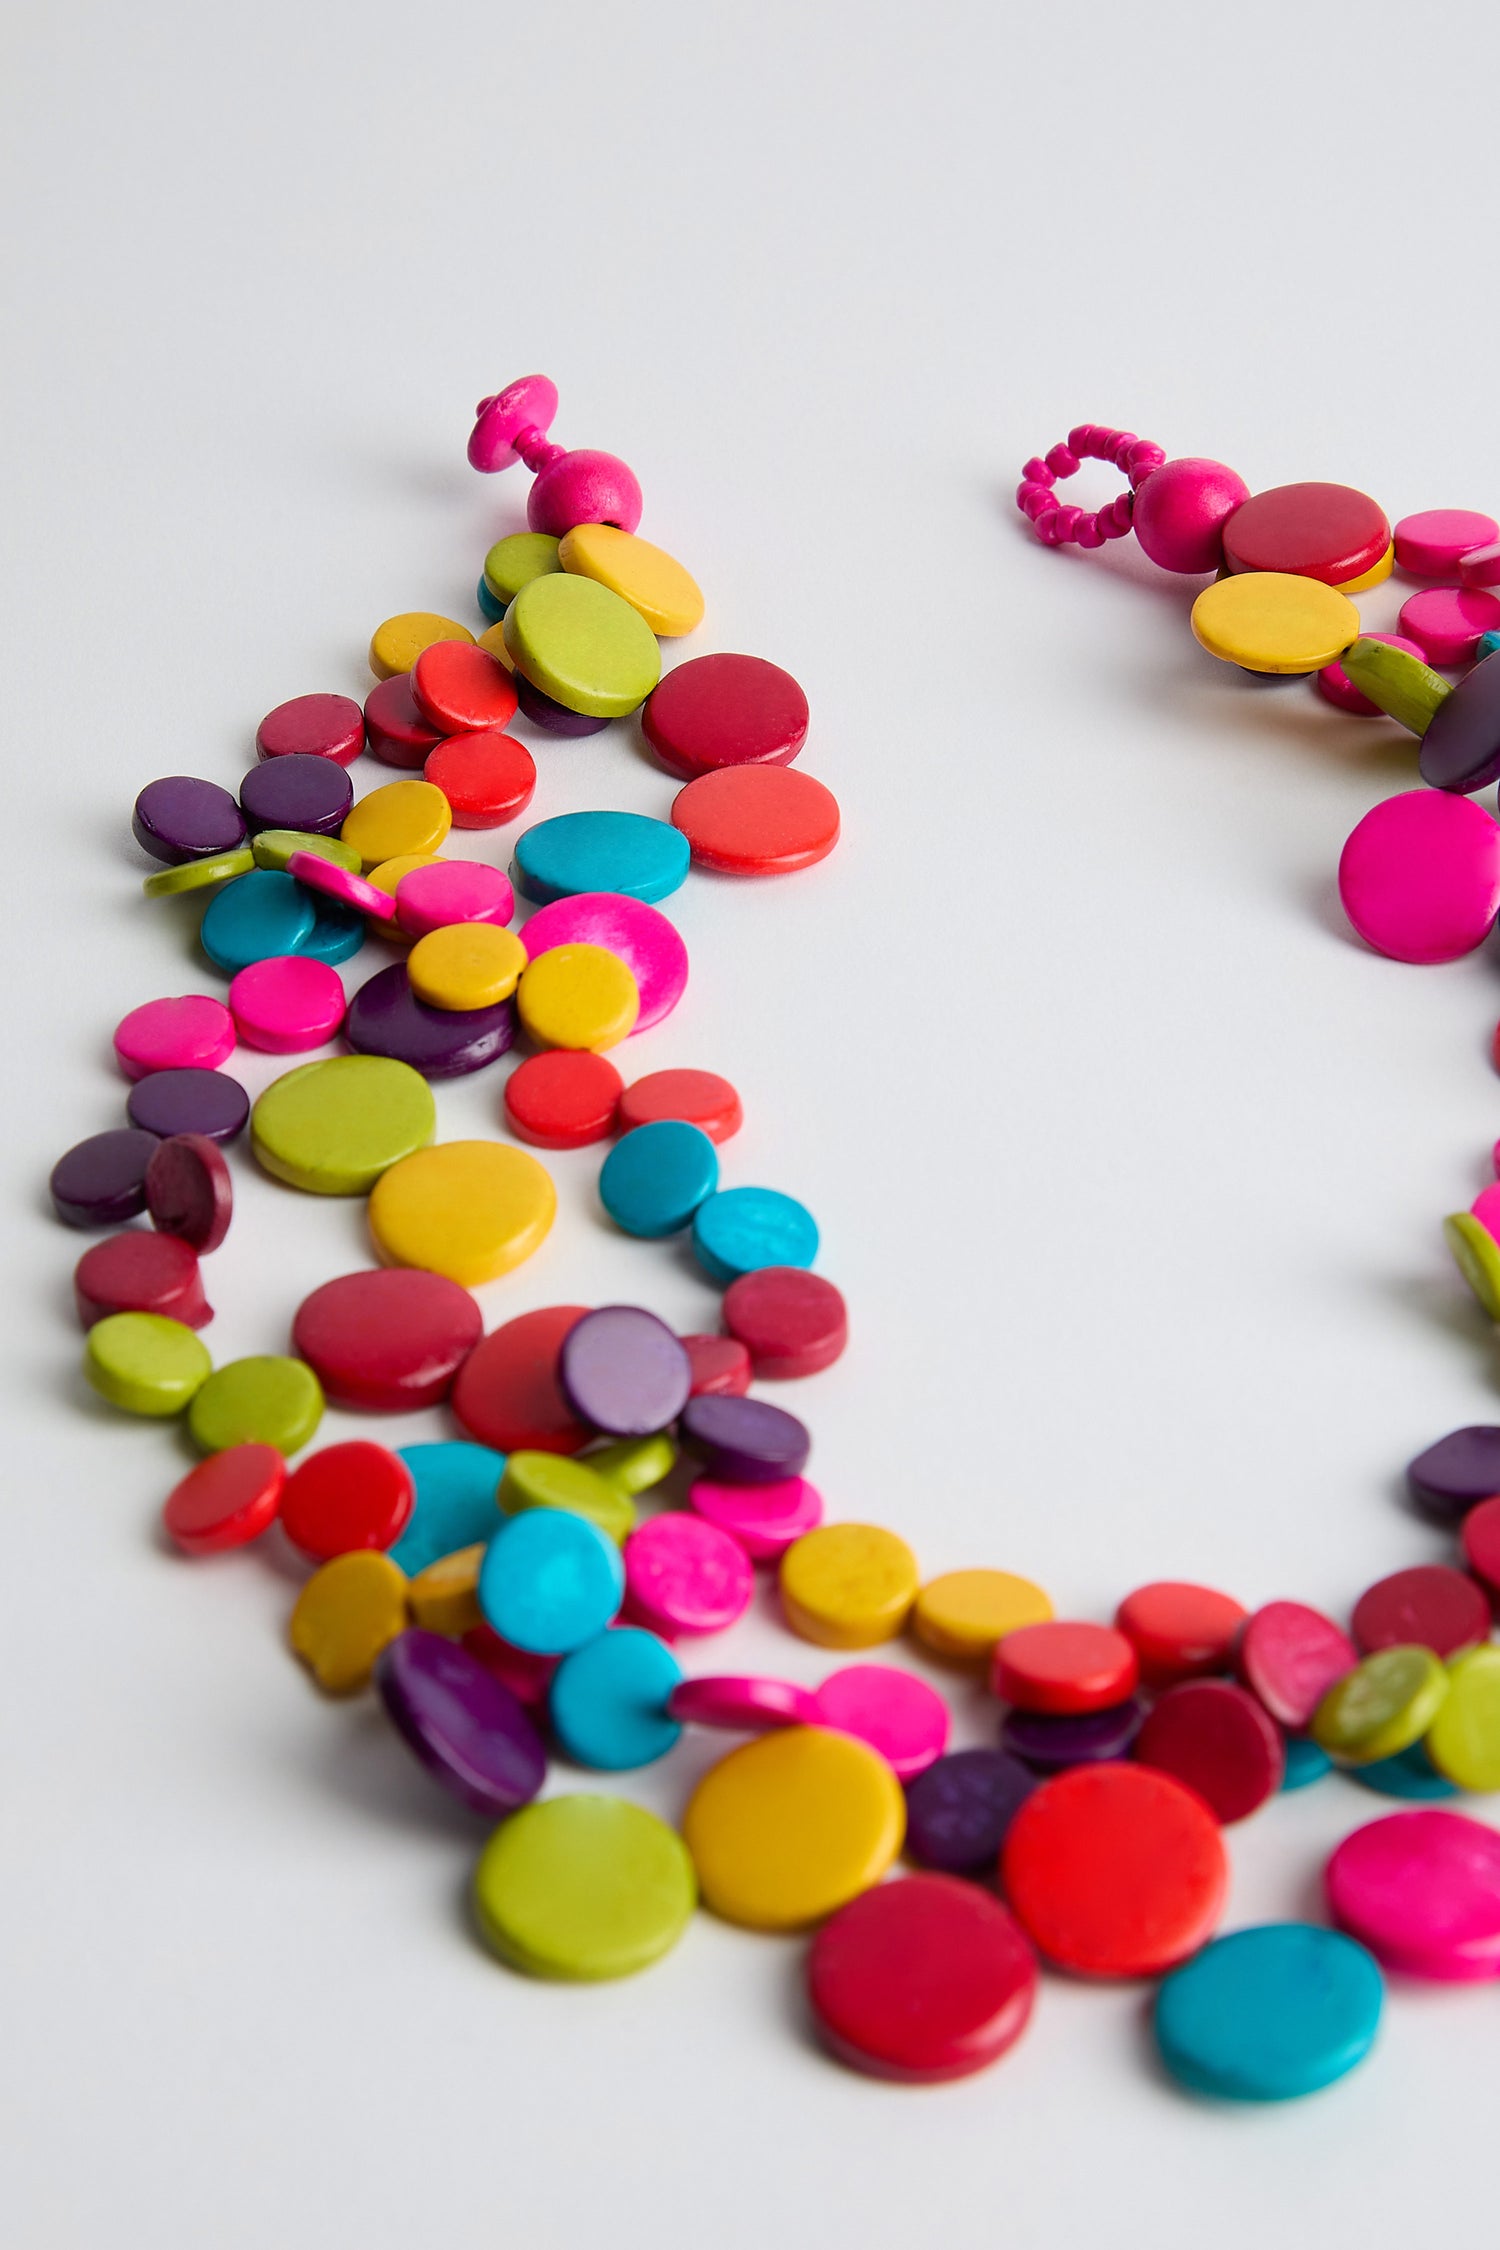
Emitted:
<point x="264" y="1401"/>
<point x="553" y="1480"/>
<point x="199" y="874"/>
<point x="1404" y="687"/>
<point x="333" y="1127"/>
<point x="1382" y="1707"/>
<point x="145" y="1363"/>
<point x="582" y="645"/>
<point x="1477" y="1257"/>
<point x="273" y="847"/>
<point x="1463" y="1741"/>
<point x="633" y="1465"/>
<point x="584" y="1888"/>
<point x="512" y="563"/>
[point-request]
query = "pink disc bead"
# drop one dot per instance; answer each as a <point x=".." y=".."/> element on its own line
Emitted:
<point x="194" y="1032"/>
<point x="742" y="1703"/>
<point x="1486" y="1209"/>
<point x="1181" y="511"/>
<point x="1434" y="543"/>
<point x="893" y="1711"/>
<point x="763" y="1518"/>
<point x="1481" y="566"/>
<point x="1420" y="876"/>
<point x="287" y="1004"/>
<point x="1289" y="1656"/>
<point x="583" y="487"/>
<point x="1447" y="622"/>
<point x="329" y="881"/>
<point x="1335" y="683"/>
<point x="453" y="890"/>
<point x="683" y="1575"/>
<point x="1422" y="1891"/>
<point x="648" y="944"/>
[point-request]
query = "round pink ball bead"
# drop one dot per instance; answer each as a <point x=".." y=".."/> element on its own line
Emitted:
<point x="584" y="487"/>
<point x="1181" y="511"/>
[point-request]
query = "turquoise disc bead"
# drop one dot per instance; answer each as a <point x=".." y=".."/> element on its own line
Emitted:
<point x="608" y="1700"/>
<point x="255" y="918"/>
<point x="1410" y="1774"/>
<point x="455" y="1504"/>
<point x="1306" y="1762"/>
<point x="742" y="1229"/>
<point x="654" y="1179"/>
<point x="601" y="851"/>
<point x="1269" y="2013"/>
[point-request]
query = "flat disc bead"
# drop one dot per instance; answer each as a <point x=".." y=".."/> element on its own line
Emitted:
<point x="1271" y="621"/>
<point x="344" y="1617"/>
<point x="1336" y="687"/>
<point x="181" y="818"/>
<point x="647" y="943"/>
<point x="744" y="1440"/>
<point x="691" y="1097"/>
<point x="1409" y="1775"/>
<point x="460" y="689"/>
<point x="487" y="777"/>
<point x="316" y="726"/>
<point x="554" y="1480"/>
<point x="921" y="1980"/>
<point x="401" y="817"/>
<point x="297" y="791"/>
<point x="199" y="875"/>
<point x="387" y="1341"/>
<point x="1446" y="622"/>
<point x="610" y="1702"/>
<point x="395" y="731"/>
<point x="1322" y="531"/>
<point x="848" y="1585"/>
<point x="1461" y="747"/>
<point x="451" y="891"/>
<point x="514" y="561"/>
<point x="898" y="1715"/>
<point x="742" y="1704"/>
<point x="1269" y="2013"/>
<point x="101" y="1182"/>
<point x="507" y="1395"/>
<point x="652" y="581"/>
<point x="1180" y="1631"/>
<point x="1480" y="1539"/>
<point x="1215" y="1737"/>
<point x="286" y="1005"/>
<point x="189" y="1193"/>
<point x="454" y="1500"/>
<point x="552" y="717"/>
<point x="581" y="644"/>
<point x="472" y="1210"/>
<point x="1289" y="1656"/>
<point x="458" y="1720"/>
<point x="583" y="1888"/>
<point x="226" y="1501"/>
<point x="1050" y="1743"/>
<point x="564" y="1098"/>
<point x="788" y="1828"/>
<point x="344" y="1497"/>
<point x="466" y="966"/>
<point x="742" y="1229"/>
<point x="764" y="1519"/>
<point x="263" y="1400"/>
<point x="578" y="996"/>
<point x="1382" y="1707"/>
<point x="654" y="1180"/>
<point x="276" y="847"/>
<point x="685" y="1575"/>
<point x="138" y="1272"/>
<point x="194" y="1032"/>
<point x="962" y="1614"/>
<point x="551" y="1581"/>
<point x="619" y="854"/>
<point x="396" y="644"/>
<point x="1064" y="1667"/>
<point x="1419" y="877"/>
<point x="757" y="820"/>
<point x="792" y="1323"/>
<point x="624" y="1371"/>
<point x="259" y="916"/>
<point x="444" y="1597"/>
<point x="144" y="1363"/>
<point x="1428" y="1606"/>
<point x="720" y="1364"/>
<point x="959" y="1808"/>
<point x="1433" y="543"/>
<point x="1463" y="1742"/>
<point x="1480" y="566"/>
<point x="1422" y="1891"/>
<point x="725" y="710"/>
<point x="387" y="1021"/>
<point x="1115" y="1871"/>
<point x="332" y="1128"/>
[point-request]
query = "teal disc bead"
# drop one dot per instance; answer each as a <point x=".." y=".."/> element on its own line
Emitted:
<point x="623" y="852"/>
<point x="338" y="932"/>
<point x="608" y="1700"/>
<point x="741" y="1229"/>
<point x="1410" y="1774"/>
<point x="653" y="1180"/>
<point x="256" y="918"/>
<point x="1269" y="2013"/>
<point x="455" y="1505"/>
<point x="490" y="604"/>
<point x="1306" y="1762"/>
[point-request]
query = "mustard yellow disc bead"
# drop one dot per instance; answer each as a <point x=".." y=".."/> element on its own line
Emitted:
<point x="468" y="1209"/>
<point x="578" y="996"/>
<point x="848" y="1585"/>
<point x="444" y="1596"/>
<point x="407" y="819"/>
<point x="1464" y="1739"/>
<point x="396" y="645"/>
<point x="1272" y="621"/>
<point x="1376" y="575"/>
<point x="792" y="1826"/>
<point x="647" y="577"/>
<point x="345" y="1615"/>
<point x="962" y="1614"/>
<point x="466" y="965"/>
<point x="492" y="641"/>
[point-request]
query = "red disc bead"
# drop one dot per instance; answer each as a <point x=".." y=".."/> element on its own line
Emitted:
<point x="507" y="1393"/>
<point x="1289" y="1656"/>
<point x="388" y="1340"/>
<point x="563" y="1098"/>
<point x="1217" y="1739"/>
<point x="227" y="1500"/>
<point x="395" y="730"/>
<point x="189" y="1192"/>
<point x="140" y="1272"/>
<point x="487" y="777"/>
<point x="1480" y="1540"/>
<point x="1063" y="1667"/>
<point x="313" y="726"/>
<point x="791" y="1322"/>
<point x="345" y="1498"/>
<point x="720" y="1366"/>
<point x="757" y="820"/>
<point x="1179" y="1631"/>
<point x="1430" y="1606"/>
<point x="725" y="711"/>
<point x="692" y="1097"/>
<point x="461" y="689"/>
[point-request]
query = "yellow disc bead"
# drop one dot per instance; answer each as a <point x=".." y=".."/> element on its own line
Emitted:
<point x="848" y="1585"/>
<point x="1477" y="1257"/>
<point x="492" y="641"/>
<point x="444" y="1597"/>
<point x="578" y="996"/>
<point x="345" y="1615"/>
<point x="1376" y="575"/>
<point x="396" y="645"/>
<point x="792" y="1826"/>
<point x="1271" y="621"/>
<point x="1464" y="1739"/>
<point x="647" y="577"/>
<point x="468" y="1209"/>
<point x="406" y="819"/>
<point x="466" y="965"/>
<point x="963" y="1613"/>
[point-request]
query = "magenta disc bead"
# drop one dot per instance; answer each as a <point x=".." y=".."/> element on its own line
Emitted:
<point x="1420" y="876"/>
<point x="1181" y="511"/>
<point x="584" y="487"/>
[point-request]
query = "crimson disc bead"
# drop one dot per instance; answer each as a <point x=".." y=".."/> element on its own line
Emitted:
<point x="507" y="1394"/>
<point x="138" y="1272"/>
<point x="688" y="1097"/>
<point x="1479" y="1538"/>
<point x="1064" y="1667"/>
<point x="1430" y="1606"/>
<point x="725" y="711"/>
<point x="487" y="777"/>
<point x="389" y="1340"/>
<point x="395" y="730"/>
<point x="790" y="1322"/>
<point x="1325" y="531"/>
<point x="757" y="820"/>
<point x="1115" y="1870"/>
<point x="189" y="1192"/>
<point x="227" y="1500"/>
<point x="461" y="689"/>
<point x="921" y="1980"/>
<point x="1217" y="1739"/>
<point x="1179" y="1631"/>
<point x="313" y="726"/>
<point x="1289" y="1656"/>
<point x="720" y="1366"/>
<point x="345" y="1498"/>
<point x="564" y="1098"/>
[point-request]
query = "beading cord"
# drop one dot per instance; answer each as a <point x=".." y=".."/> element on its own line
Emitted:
<point x="1058" y="524"/>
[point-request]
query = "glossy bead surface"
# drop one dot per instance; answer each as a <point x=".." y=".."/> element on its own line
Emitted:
<point x="742" y="1704"/>
<point x="1064" y="1667"/>
<point x="387" y="1341"/>
<point x="725" y="710"/>
<point x="453" y="1500"/>
<point x="1216" y="1738"/>
<point x="401" y="818"/>
<point x="791" y="1826"/>
<point x="792" y="1323"/>
<point x="757" y="820"/>
<point x="962" y="1614"/>
<point x="577" y="996"/>
<point x="286" y="1005"/>
<point x="472" y="1210"/>
<point x="181" y="818"/>
<point x="1319" y="531"/>
<point x="101" y="1182"/>
<point x="347" y="1496"/>
<point x="332" y="1128"/>
<point x="259" y="915"/>
<point x="1428" y="1606"/>
<point x="386" y="1021"/>
<point x="1179" y="1631"/>
<point x="652" y="581"/>
<point x="721" y="1366"/>
<point x="583" y="1888"/>
<point x="550" y="1581"/>
<point x="1181" y="510"/>
<point x="263" y="1400"/>
<point x="634" y="932"/>
<point x="1419" y="877"/>
<point x="344" y="1617"/>
<point x="145" y="1363"/>
<point x="1289" y="1656"/>
<point x="898" y="1715"/>
<point x="193" y="1100"/>
<point x="1382" y="1707"/>
<point x="138" y="1272"/>
<point x="297" y="791"/>
<point x="488" y="777"/>
<point x="460" y="1722"/>
<point x="609" y="853"/>
<point x="395" y="731"/>
<point x="314" y="726"/>
<point x="582" y="645"/>
<point x="1049" y="1742"/>
<point x="1271" y="621"/>
<point x="1461" y="747"/>
<point x="608" y="1701"/>
<point x="1336" y="687"/>
<point x="1269" y="2013"/>
<point x="396" y="644"/>
<point x="515" y="560"/>
<point x="225" y="1501"/>
<point x="190" y="1033"/>
<point x="654" y="1180"/>
<point x="465" y="967"/>
<point x="584" y="486"/>
<point x="506" y="1394"/>
<point x="683" y="1575"/>
<point x="188" y="1191"/>
<point x="1446" y="622"/>
<point x="1422" y="1891"/>
<point x="690" y="1097"/>
<point x="764" y="1519"/>
<point x="739" y="1230"/>
<point x="562" y="1098"/>
<point x="624" y="1371"/>
<point x="1432" y="544"/>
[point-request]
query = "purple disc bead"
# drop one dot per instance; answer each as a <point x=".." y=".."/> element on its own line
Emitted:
<point x="958" y="1809"/>
<point x="182" y="818"/>
<point x="467" y="1728"/>
<point x="745" y="1441"/>
<point x="312" y="795"/>
<point x="555" y="717"/>
<point x="1090" y="1738"/>
<point x="624" y="1370"/>
<point x="386" y="1018"/>
<point x="1458" y="1472"/>
<point x="103" y="1180"/>
<point x="189" y="1101"/>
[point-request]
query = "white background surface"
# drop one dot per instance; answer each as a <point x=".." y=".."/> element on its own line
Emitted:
<point x="1129" y="1161"/>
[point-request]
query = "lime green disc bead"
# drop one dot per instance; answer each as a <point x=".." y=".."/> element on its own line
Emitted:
<point x="264" y="1401"/>
<point x="633" y="1465"/>
<point x="1382" y="1707"/>
<point x="1405" y="688"/>
<point x="332" y="1128"/>
<point x="584" y="1888"/>
<point x="1477" y="1257"/>
<point x="273" y="847"/>
<point x="199" y="874"/>
<point x="512" y="563"/>
<point x="552" y="1480"/>
<point x="582" y="645"/>
<point x="145" y="1363"/>
<point x="1464" y="1739"/>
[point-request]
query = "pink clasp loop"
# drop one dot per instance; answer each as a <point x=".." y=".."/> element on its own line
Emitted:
<point x="1058" y="525"/>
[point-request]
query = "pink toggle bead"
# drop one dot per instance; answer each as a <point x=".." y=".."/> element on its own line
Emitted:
<point x="1446" y="622"/>
<point x="1420" y="876"/>
<point x="684" y="1575"/>
<point x="742" y="1703"/>
<point x="897" y="1714"/>
<point x="1335" y="683"/>
<point x="1422" y="1891"/>
<point x="1432" y="544"/>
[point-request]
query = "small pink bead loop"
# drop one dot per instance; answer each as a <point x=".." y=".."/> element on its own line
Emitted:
<point x="1058" y="525"/>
